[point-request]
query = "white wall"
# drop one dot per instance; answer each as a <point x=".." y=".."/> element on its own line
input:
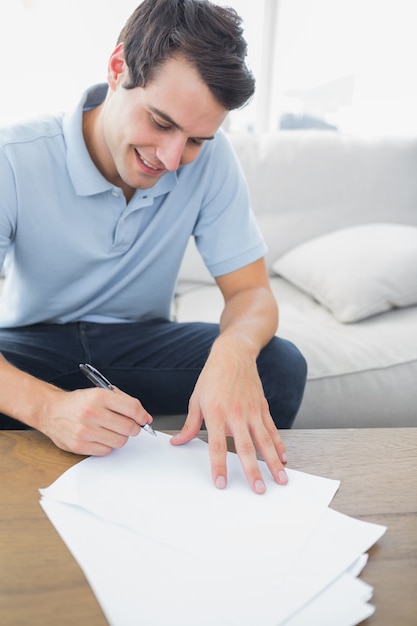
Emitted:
<point x="52" y="49"/>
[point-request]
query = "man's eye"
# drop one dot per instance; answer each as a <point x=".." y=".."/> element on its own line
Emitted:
<point x="196" y="142"/>
<point x="158" y="125"/>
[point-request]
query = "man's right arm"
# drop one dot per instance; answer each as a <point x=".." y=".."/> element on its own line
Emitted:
<point x="85" y="421"/>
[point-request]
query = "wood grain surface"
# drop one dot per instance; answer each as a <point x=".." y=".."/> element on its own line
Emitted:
<point x="42" y="585"/>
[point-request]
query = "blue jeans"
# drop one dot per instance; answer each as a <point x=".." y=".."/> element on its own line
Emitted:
<point x="157" y="361"/>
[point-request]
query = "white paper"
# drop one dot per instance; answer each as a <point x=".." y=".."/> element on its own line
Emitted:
<point x="160" y="545"/>
<point x="165" y="493"/>
<point x="138" y="581"/>
<point x="343" y="603"/>
<point x="336" y="546"/>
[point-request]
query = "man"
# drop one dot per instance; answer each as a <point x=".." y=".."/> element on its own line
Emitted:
<point x="96" y="211"/>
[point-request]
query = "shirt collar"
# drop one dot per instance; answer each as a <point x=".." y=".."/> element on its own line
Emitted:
<point x="86" y="178"/>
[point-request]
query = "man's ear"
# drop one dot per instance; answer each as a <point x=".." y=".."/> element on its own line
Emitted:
<point x="117" y="69"/>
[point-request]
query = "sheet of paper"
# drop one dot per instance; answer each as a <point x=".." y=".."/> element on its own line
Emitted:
<point x="356" y="568"/>
<point x="336" y="546"/>
<point x="146" y="523"/>
<point x="165" y="493"/>
<point x="139" y="581"/>
<point x="343" y="603"/>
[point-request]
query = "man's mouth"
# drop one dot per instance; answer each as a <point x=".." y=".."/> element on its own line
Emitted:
<point x="149" y="165"/>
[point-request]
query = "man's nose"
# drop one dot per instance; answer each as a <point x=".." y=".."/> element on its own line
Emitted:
<point x="170" y="152"/>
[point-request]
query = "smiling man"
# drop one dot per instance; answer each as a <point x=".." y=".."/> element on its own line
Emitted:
<point x="96" y="211"/>
<point x="138" y="135"/>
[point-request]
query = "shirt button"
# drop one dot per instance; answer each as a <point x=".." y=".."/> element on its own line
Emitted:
<point x="115" y="193"/>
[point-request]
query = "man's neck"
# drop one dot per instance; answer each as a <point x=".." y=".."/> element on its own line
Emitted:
<point x="97" y="150"/>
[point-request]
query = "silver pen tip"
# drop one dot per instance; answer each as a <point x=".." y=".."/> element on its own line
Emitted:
<point x="149" y="429"/>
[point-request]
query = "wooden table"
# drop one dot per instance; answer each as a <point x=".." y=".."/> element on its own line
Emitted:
<point x="42" y="585"/>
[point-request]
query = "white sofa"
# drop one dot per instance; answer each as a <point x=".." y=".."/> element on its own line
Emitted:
<point x="347" y="300"/>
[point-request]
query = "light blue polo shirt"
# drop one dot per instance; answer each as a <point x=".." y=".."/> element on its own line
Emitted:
<point x="74" y="250"/>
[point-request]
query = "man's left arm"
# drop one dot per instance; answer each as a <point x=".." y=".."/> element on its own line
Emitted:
<point x="228" y="395"/>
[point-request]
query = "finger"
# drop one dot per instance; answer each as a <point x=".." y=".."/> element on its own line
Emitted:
<point x="125" y="414"/>
<point x="217" y="444"/>
<point x="85" y="448"/>
<point x="87" y="437"/>
<point x="268" y="449"/>
<point x="274" y="434"/>
<point x="96" y="448"/>
<point x="110" y="419"/>
<point x="109" y="424"/>
<point x="271" y="448"/>
<point x="247" y="454"/>
<point x="131" y="408"/>
<point x="191" y="427"/>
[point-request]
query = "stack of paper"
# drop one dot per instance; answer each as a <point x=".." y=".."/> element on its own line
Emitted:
<point x="161" y="546"/>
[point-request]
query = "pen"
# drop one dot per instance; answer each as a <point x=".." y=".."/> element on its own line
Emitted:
<point x="99" y="380"/>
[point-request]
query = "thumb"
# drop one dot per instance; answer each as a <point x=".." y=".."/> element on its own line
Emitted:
<point x="191" y="428"/>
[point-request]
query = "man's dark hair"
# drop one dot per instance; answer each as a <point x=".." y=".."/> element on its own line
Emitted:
<point x="208" y="36"/>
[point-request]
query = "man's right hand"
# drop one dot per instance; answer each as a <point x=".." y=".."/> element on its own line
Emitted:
<point x="92" y="421"/>
<point x="86" y="421"/>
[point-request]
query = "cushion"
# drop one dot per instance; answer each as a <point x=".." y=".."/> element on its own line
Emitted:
<point x="356" y="272"/>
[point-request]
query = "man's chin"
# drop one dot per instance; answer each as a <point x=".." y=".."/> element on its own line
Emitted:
<point x="146" y="182"/>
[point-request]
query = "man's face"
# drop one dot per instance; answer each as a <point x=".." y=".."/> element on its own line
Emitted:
<point x="146" y="132"/>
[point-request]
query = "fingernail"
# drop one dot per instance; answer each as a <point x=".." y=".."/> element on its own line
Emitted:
<point x="282" y="477"/>
<point x="284" y="458"/>
<point x="260" y="486"/>
<point x="220" y="482"/>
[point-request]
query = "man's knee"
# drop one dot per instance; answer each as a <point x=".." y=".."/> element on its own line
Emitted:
<point x="283" y="371"/>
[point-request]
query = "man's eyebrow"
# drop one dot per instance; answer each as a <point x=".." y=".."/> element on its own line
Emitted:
<point x="169" y="119"/>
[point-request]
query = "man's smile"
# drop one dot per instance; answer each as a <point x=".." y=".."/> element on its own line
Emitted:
<point x="148" y="167"/>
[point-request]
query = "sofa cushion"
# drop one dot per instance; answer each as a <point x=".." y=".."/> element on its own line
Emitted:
<point x="356" y="272"/>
